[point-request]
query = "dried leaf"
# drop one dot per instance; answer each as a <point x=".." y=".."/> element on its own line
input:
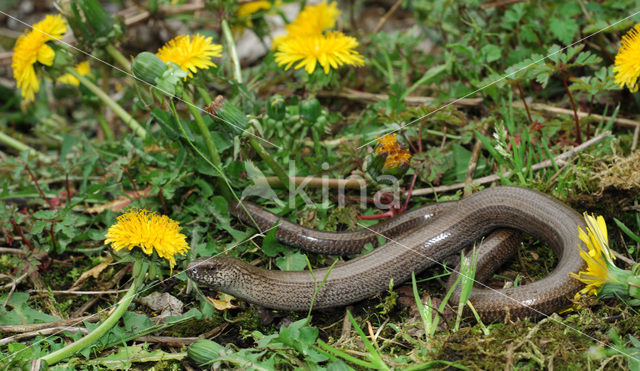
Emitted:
<point x="121" y="203"/>
<point x="223" y="302"/>
<point x="93" y="272"/>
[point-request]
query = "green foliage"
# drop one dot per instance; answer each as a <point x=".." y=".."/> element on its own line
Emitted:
<point x="56" y="206"/>
<point x="630" y="353"/>
<point x="292" y="346"/>
<point x="21" y="312"/>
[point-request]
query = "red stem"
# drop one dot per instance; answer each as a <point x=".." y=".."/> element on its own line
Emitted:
<point x="126" y="171"/>
<point x="35" y="181"/>
<point x="66" y="183"/>
<point x="573" y="105"/>
<point x="524" y="101"/>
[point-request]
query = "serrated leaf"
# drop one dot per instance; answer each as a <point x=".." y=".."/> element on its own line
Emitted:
<point x="563" y="29"/>
<point x="572" y="51"/>
<point x="543" y="78"/>
<point x="554" y="53"/>
<point x="586" y="58"/>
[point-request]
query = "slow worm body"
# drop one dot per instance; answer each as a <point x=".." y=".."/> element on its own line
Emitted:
<point x="430" y="236"/>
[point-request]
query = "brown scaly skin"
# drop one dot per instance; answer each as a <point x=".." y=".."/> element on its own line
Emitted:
<point x="458" y="225"/>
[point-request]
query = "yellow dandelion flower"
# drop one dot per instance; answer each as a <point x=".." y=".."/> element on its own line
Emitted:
<point x="395" y="160"/>
<point x="396" y="154"/>
<point x="246" y="9"/>
<point x="32" y="48"/>
<point x="190" y="53"/>
<point x="312" y="21"/>
<point x="81" y="68"/>
<point x="151" y="232"/>
<point x="598" y="257"/>
<point x="331" y="51"/>
<point x="387" y="143"/>
<point x="627" y="63"/>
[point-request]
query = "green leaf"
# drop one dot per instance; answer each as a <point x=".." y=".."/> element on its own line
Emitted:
<point x="22" y="313"/>
<point x="563" y="29"/>
<point x="292" y="262"/>
<point x="627" y="231"/>
<point x="491" y="53"/>
<point x="308" y="335"/>
<point x="270" y="244"/>
<point x="128" y="354"/>
<point x="67" y="143"/>
<point x="135" y="322"/>
<point x="528" y="34"/>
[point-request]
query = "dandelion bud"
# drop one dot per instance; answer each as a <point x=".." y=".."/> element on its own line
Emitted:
<point x="310" y="109"/>
<point x="99" y="19"/>
<point x="148" y="67"/>
<point x="276" y="107"/>
<point x="203" y="351"/>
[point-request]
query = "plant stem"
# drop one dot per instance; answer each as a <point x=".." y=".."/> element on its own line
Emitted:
<point x="19" y="146"/>
<point x="206" y="134"/>
<point x="264" y="155"/>
<point x="93" y="336"/>
<point x="573" y="105"/>
<point x="105" y="126"/>
<point x="119" y="58"/>
<point x="117" y="109"/>
<point x="237" y="73"/>
<point x="214" y="156"/>
<point x="202" y="90"/>
<point x="524" y="101"/>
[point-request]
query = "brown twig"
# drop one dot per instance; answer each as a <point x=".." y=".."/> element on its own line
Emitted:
<point x="41" y="326"/>
<point x="444" y="137"/>
<point x="557" y="173"/>
<point x="10" y="250"/>
<point x="630" y="262"/>
<point x="145" y="14"/>
<point x="44" y="332"/>
<point x="115" y="279"/>
<point x="15" y="281"/>
<point x="77" y="292"/>
<point x="319" y="182"/>
<point x="214" y="332"/>
<point x="563" y="111"/>
<point x="472" y="102"/>
<point x="372" y="98"/>
<point x="494" y="177"/>
<point x="386" y="16"/>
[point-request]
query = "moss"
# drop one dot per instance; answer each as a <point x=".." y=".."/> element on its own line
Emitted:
<point x="194" y="327"/>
